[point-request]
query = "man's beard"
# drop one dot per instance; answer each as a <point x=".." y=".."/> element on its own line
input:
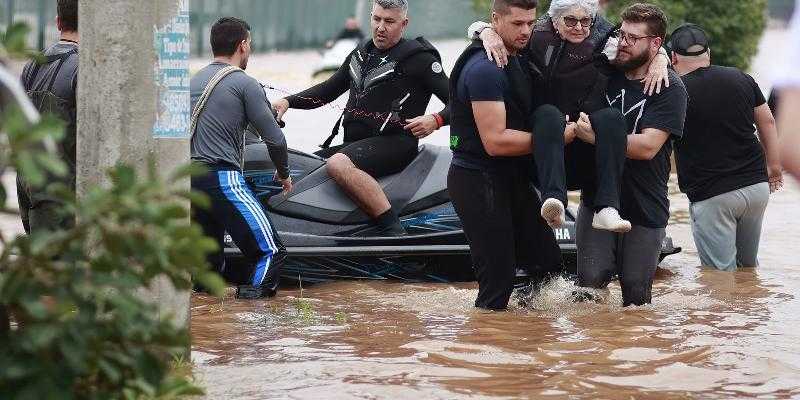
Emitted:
<point x="633" y="63"/>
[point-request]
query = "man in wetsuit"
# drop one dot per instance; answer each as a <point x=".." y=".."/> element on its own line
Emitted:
<point x="494" y="112"/>
<point x="221" y="113"/>
<point x="51" y="87"/>
<point x="391" y="81"/>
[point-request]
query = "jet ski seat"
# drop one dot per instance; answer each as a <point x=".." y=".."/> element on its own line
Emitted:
<point x="317" y="197"/>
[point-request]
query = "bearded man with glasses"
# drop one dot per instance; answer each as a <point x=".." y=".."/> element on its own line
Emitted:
<point x="652" y="123"/>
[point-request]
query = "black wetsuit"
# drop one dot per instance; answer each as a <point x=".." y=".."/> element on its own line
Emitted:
<point x="378" y="80"/>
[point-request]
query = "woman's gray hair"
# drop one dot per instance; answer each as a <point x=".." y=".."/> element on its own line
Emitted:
<point x="559" y="7"/>
<point x="392" y="4"/>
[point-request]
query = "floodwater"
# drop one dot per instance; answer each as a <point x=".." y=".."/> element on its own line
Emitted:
<point x="708" y="334"/>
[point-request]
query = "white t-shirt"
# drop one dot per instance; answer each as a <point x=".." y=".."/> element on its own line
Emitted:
<point x="789" y="72"/>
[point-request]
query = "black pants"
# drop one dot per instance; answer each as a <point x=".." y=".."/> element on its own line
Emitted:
<point x="633" y="255"/>
<point x="500" y="216"/>
<point x="595" y="170"/>
<point x="548" y="152"/>
<point x="236" y="210"/>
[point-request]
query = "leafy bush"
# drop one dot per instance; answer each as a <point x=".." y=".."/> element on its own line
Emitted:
<point x="73" y="321"/>
<point x="735" y="26"/>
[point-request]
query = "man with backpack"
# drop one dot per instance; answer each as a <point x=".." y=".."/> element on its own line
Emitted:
<point x="51" y="86"/>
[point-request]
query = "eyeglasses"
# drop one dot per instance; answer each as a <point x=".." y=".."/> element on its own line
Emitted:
<point x="629" y="39"/>
<point x="570" y="22"/>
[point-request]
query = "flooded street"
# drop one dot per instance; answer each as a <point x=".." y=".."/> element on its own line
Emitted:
<point x="708" y="334"/>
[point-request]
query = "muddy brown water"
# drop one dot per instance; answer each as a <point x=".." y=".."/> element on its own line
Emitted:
<point x="708" y="334"/>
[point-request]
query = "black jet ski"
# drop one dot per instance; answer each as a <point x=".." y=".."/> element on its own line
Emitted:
<point x="329" y="238"/>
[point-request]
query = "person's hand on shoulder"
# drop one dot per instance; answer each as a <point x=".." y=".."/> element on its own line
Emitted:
<point x="657" y="74"/>
<point x="494" y="46"/>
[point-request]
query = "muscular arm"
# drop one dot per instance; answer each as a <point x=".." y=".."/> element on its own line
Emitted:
<point x="647" y="144"/>
<point x="325" y="92"/>
<point x="258" y="112"/>
<point x="490" y="117"/>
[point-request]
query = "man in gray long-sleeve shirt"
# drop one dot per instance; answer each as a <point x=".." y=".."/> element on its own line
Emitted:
<point x="235" y="102"/>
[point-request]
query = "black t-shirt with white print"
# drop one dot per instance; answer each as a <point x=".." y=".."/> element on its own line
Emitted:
<point x="643" y="197"/>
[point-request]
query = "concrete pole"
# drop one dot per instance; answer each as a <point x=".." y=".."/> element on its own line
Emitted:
<point x="10" y="12"/>
<point x="133" y="100"/>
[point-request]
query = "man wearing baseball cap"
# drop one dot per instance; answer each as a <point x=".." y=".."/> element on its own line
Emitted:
<point x="723" y="167"/>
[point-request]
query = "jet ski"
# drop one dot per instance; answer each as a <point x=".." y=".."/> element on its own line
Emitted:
<point x="334" y="57"/>
<point x="329" y="238"/>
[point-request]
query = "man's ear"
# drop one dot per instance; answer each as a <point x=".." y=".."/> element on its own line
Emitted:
<point x="674" y="58"/>
<point x="58" y="23"/>
<point x="658" y="43"/>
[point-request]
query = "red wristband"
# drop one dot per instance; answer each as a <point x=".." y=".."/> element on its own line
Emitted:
<point x="439" y="120"/>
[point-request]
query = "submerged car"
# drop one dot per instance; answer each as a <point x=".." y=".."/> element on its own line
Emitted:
<point x="328" y="237"/>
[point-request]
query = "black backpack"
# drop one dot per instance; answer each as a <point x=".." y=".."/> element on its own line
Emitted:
<point x="47" y="102"/>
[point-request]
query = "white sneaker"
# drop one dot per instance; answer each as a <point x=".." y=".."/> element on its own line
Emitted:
<point x="553" y="212"/>
<point x="608" y="219"/>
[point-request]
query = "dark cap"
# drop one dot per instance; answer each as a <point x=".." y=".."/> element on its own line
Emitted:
<point x="686" y="37"/>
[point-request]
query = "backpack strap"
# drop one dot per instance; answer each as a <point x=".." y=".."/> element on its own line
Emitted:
<point x="201" y="102"/>
<point x="29" y="79"/>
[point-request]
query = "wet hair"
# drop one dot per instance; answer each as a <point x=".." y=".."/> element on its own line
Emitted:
<point x="392" y="4"/>
<point x="226" y="34"/>
<point x="502" y="6"/>
<point x="560" y="7"/>
<point x="67" y="11"/>
<point x="649" y="14"/>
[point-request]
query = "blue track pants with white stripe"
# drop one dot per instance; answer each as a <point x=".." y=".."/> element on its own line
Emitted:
<point x="236" y="210"/>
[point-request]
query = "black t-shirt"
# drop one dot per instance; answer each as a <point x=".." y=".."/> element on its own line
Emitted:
<point x="482" y="80"/>
<point x="644" y="183"/>
<point x="719" y="151"/>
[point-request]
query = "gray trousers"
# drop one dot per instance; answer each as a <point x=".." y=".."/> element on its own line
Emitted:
<point x="633" y="255"/>
<point x="727" y="228"/>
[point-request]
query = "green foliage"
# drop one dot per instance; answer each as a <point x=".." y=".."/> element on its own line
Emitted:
<point x="735" y="26"/>
<point x="73" y="321"/>
<point x="483" y="7"/>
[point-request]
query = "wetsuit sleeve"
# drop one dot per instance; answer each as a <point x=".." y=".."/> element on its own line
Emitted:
<point x="325" y="92"/>
<point x="430" y="73"/>
<point x="258" y="112"/>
